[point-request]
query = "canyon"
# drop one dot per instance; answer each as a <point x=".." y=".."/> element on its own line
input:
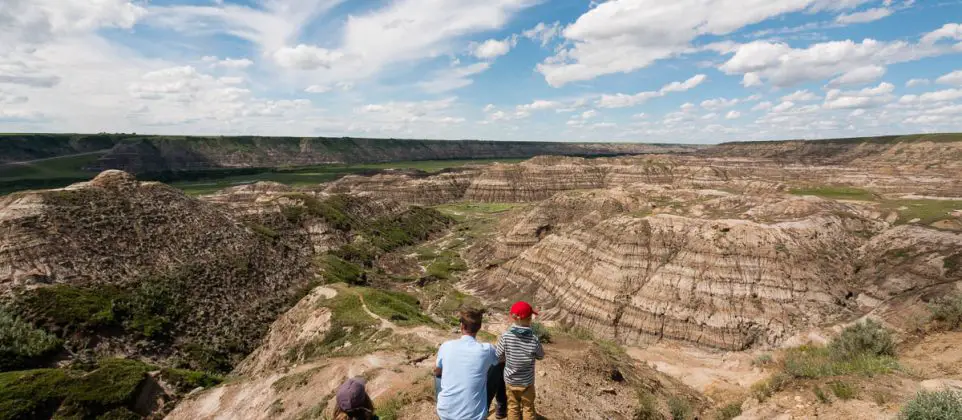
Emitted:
<point x="666" y="275"/>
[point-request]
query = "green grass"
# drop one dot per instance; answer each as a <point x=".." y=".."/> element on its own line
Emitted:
<point x="40" y="393"/>
<point x="927" y="211"/>
<point x="349" y="324"/>
<point x="729" y="411"/>
<point x="647" y="407"/>
<point x="843" y="390"/>
<point x="447" y="301"/>
<point x="948" y="311"/>
<point x="764" y="389"/>
<point x="836" y="192"/>
<point x="938" y="405"/>
<point x="821" y="396"/>
<point x="24" y="346"/>
<point x="61" y="167"/>
<point x="445" y="264"/>
<point x="817" y="362"/>
<point x="398" y="307"/>
<point x="337" y="270"/>
<point x="188" y="380"/>
<point x="680" y="408"/>
<point x="477" y="208"/>
<point x="294" y="380"/>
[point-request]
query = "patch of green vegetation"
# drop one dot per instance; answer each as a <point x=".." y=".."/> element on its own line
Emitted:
<point x="927" y="211"/>
<point x="817" y="362"/>
<point x="294" y="380"/>
<point x="264" y="231"/>
<point x="188" y="380"/>
<point x="680" y="408"/>
<point x="69" y="308"/>
<point x="398" y="307"/>
<point x="865" y="348"/>
<point x="122" y="413"/>
<point x="647" y="407"/>
<point x="821" y="396"/>
<point x="764" y="389"/>
<point x="541" y="331"/>
<point x="446" y="301"/>
<point x="868" y="338"/>
<point x="948" y="311"/>
<point x="729" y="411"/>
<point x="576" y="331"/>
<point x="40" y="393"/>
<point x="836" y="192"/>
<point x="349" y="324"/>
<point x="446" y="263"/>
<point x="937" y="405"/>
<point x="24" y="346"/>
<point x="952" y="265"/>
<point x="391" y="408"/>
<point x="337" y="270"/>
<point x="763" y="360"/>
<point x="843" y="390"/>
<point x="477" y="208"/>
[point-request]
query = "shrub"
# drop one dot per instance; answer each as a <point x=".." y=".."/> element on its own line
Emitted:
<point x="729" y="411"/>
<point x="816" y="362"/>
<point x="867" y="338"/>
<point x="188" y="380"/>
<point x="647" y="408"/>
<point x="948" y="310"/>
<point x="542" y="332"/>
<point x="763" y="360"/>
<point x="42" y="392"/>
<point x="69" y="308"/>
<point x="843" y="390"/>
<point x="938" y="405"/>
<point x="765" y="388"/>
<point x="680" y="408"/>
<point x="22" y="345"/>
<point x="820" y="395"/>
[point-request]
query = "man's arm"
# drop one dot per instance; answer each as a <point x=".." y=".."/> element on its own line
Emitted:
<point x="439" y="364"/>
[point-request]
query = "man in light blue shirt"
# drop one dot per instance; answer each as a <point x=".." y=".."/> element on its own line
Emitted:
<point x="463" y="368"/>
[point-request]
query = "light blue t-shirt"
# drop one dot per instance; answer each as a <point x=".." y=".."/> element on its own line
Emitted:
<point x="464" y="367"/>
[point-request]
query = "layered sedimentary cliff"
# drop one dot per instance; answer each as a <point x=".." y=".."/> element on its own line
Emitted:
<point x="720" y="283"/>
<point x="230" y="279"/>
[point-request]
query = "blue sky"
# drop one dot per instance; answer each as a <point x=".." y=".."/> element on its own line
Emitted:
<point x="687" y="71"/>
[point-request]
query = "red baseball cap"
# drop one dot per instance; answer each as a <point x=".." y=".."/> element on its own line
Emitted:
<point x="522" y="309"/>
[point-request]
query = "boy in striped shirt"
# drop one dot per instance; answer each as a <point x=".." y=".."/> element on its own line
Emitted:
<point x="519" y="348"/>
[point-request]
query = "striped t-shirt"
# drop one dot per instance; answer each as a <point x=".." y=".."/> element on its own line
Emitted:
<point x="519" y="348"/>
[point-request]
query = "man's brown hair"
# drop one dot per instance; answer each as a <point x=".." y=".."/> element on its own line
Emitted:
<point x="471" y="319"/>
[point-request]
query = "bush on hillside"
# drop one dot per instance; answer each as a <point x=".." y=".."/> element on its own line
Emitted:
<point x="938" y="405"/>
<point x="948" y="311"/>
<point x="23" y="346"/>
<point x="867" y="338"/>
<point x="542" y="332"/>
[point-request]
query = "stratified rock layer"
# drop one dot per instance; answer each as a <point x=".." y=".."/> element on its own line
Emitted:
<point x="720" y="283"/>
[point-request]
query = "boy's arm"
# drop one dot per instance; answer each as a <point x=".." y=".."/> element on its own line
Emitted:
<point x="538" y="350"/>
<point x="499" y="349"/>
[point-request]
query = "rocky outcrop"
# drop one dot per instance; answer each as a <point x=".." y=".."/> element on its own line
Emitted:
<point x="408" y="188"/>
<point x="231" y="280"/>
<point x="720" y="283"/>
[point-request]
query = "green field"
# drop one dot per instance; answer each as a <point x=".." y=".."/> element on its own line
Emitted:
<point x="60" y="172"/>
<point x="927" y="211"/>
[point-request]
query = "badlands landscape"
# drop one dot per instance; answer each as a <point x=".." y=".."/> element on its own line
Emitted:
<point x="753" y="280"/>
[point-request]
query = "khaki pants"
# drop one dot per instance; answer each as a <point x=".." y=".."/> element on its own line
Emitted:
<point x="521" y="402"/>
